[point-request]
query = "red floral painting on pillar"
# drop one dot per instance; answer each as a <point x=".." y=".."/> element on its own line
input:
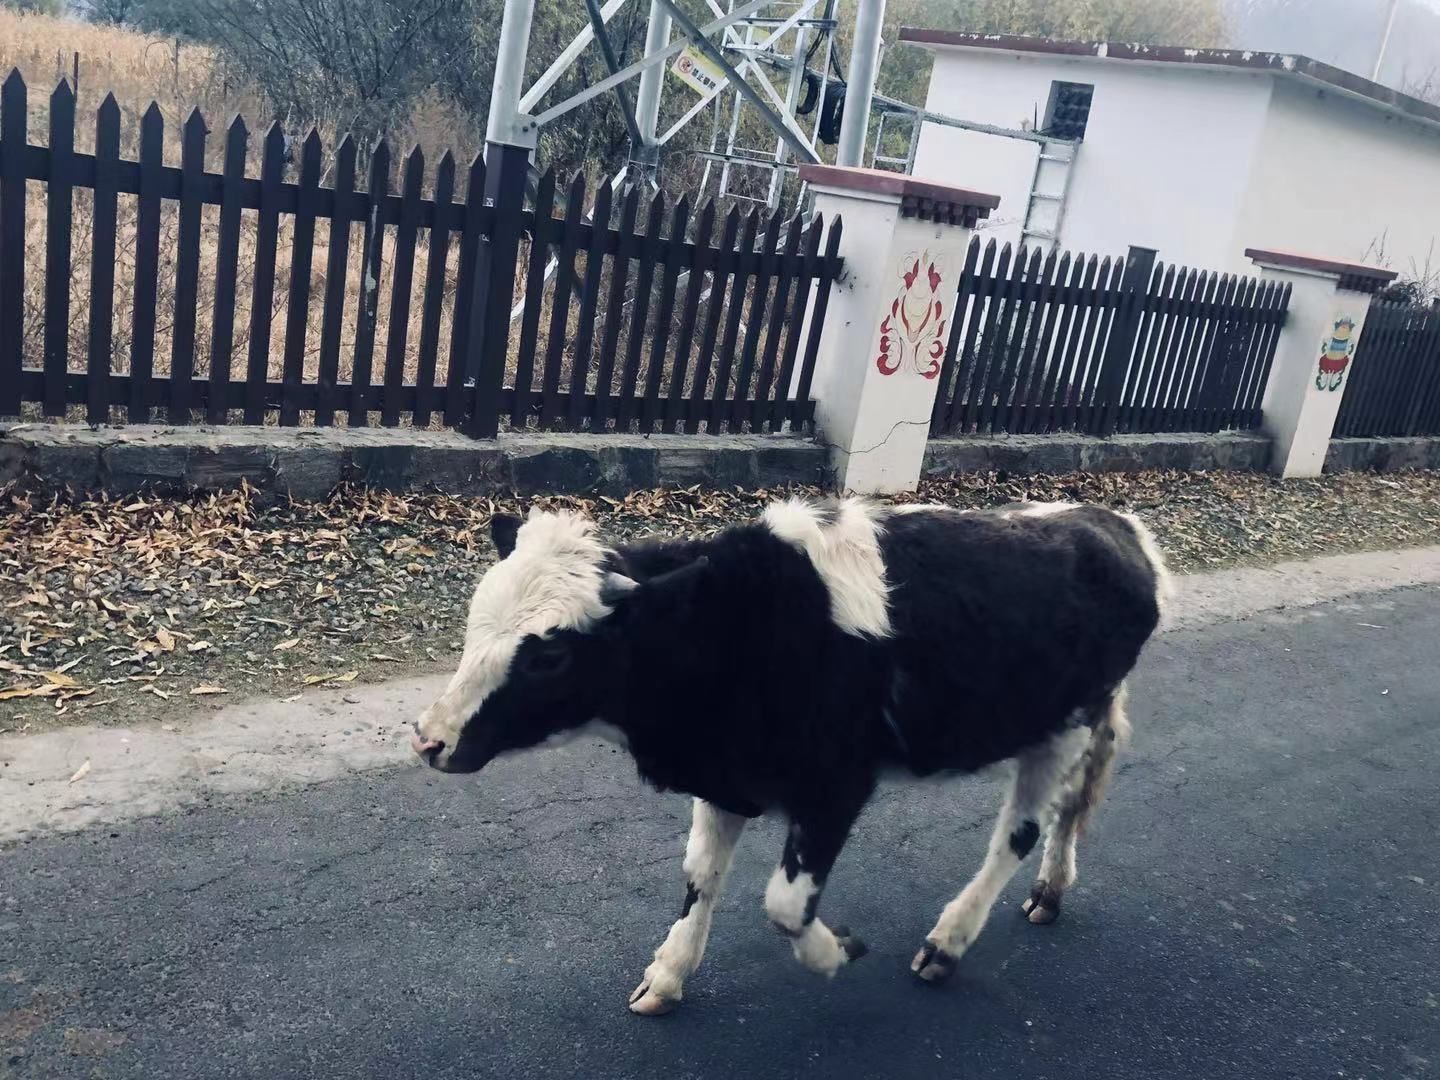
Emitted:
<point x="912" y="335"/>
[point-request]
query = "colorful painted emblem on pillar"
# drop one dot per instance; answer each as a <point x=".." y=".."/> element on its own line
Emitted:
<point x="912" y="334"/>
<point x="1335" y="355"/>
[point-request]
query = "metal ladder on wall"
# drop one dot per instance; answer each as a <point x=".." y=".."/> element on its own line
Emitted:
<point x="904" y="164"/>
<point x="1049" y="186"/>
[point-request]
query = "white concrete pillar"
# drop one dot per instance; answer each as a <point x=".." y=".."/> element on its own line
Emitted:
<point x="1328" y="304"/>
<point x="878" y="368"/>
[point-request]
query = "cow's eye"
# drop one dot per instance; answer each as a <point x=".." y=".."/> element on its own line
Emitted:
<point x="547" y="661"/>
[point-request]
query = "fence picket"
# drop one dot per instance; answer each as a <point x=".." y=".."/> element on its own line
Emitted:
<point x="1017" y="326"/>
<point x="1107" y="299"/>
<point x="1187" y="283"/>
<point x="734" y="309"/>
<point x="625" y="248"/>
<point x="1047" y="407"/>
<point x="1072" y="388"/>
<point x="1427" y="371"/>
<point x="1160" y="304"/>
<point x="1143" y="355"/>
<point x="433" y="300"/>
<point x="589" y="297"/>
<point x="1395" y="406"/>
<point x="333" y="316"/>
<point x="1210" y="357"/>
<point x="489" y="343"/>
<point x="540" y="237"/>
<point x="803" y="281"/>
<point x="565" y="249"/>
<point x="147" y="256"/>
<point x="694" y="286"/>
<point x="1266" y="326"/>
<point x="467" y="289"/>
<point x="1044" y="363"/>
<point x="1038" y="312"/>
<point x="302" y="251"/>
<point x="824" y="280"/>
<point x="227" y="265"/>
<point x="59" y="211"/>
<point x="724" y="262"/>
<point x="967" y="363"/>
<point x="649" y="253"/>
<point x="997" y="294"/>
<point x="1426" y="418"/>
<point x="755" y="322"/>
<point x="14" y="115"/>
<point x="959" y="305"/>
<point x="262" y="293"/>
<point x="402" y="279"/>
<point x="102" y="260"/>
<point x="1186" y="372"/>
<point x="650" y="407"/>
<point x="785" y="271"/>
<point x="372" y="250"/>
<point x="1237" y="357"/>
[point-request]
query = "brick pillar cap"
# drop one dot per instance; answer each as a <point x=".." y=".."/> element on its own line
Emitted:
<point x="1352" y="275"/>
<point x="918" y="197"/>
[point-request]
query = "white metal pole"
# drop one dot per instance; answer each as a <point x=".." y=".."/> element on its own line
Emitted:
<point x="860" y="88"/>
<point x="864" y="64"/>
<point x="506" y="122"/>
<point x="1385" y="40"/>
<point x="647" y="97"/>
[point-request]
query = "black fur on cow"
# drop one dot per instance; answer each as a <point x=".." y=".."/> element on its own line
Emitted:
<point x="786" y="664"/>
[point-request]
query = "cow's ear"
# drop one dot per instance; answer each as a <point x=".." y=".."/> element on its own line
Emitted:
<point x="503" y="528"/>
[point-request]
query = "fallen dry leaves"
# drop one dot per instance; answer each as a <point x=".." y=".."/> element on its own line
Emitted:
<point x="162" y="602"/>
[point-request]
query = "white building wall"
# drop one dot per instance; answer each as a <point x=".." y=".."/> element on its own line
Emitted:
<point x="1167" y="156"/>
<point x="1337" y="178"/>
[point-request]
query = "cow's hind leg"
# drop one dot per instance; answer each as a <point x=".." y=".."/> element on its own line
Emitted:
<point x="713" y="834"/>
<point x="1083" y="793"/>
<point x="793" y="895"/>
<point x="1039" y="774"/>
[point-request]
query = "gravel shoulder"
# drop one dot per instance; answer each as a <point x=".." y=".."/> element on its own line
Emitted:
<point x="115" y="611"/>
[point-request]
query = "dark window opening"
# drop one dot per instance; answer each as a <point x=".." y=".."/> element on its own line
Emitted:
<point x="1069" y="109"/>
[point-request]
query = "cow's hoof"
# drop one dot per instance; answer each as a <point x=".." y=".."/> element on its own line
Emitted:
<point x="646" y="1002"/>
<point x="933" y="964"/>
<point x="1043" y="907"/>
<point x="851" y="943"/>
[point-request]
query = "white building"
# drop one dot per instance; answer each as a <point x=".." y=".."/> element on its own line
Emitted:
<point x="1197" y="153"/>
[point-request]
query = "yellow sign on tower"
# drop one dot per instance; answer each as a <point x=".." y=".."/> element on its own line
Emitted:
<point x="697" y="71"/>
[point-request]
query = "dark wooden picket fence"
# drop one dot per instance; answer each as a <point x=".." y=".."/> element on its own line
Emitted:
<point x="1062" y="342"/>
<point x="649" y="322"/>
<point x="1394" y="383"/>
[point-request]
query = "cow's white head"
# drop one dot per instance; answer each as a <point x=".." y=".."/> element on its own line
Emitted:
<point x="549" y="642"/>
<point x="531" y="669"/>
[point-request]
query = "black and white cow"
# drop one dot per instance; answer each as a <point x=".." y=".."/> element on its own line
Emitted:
<point x="786" y="664"/>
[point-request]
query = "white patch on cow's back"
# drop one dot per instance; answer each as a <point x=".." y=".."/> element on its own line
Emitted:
<point x="924" y="508"/>
<point x="551" y="581"/>
<point x="842" y="541"/>
<point x="1043" y="509"/>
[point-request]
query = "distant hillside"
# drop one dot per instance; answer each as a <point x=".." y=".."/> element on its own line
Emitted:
<point x="1345" y="33"/>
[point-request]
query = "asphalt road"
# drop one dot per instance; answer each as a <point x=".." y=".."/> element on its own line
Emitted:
<point x="1257" y="899"/>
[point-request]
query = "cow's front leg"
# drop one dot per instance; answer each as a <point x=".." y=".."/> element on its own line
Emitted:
<point x="793" y="895"/>
<point x="713" y="833"/>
